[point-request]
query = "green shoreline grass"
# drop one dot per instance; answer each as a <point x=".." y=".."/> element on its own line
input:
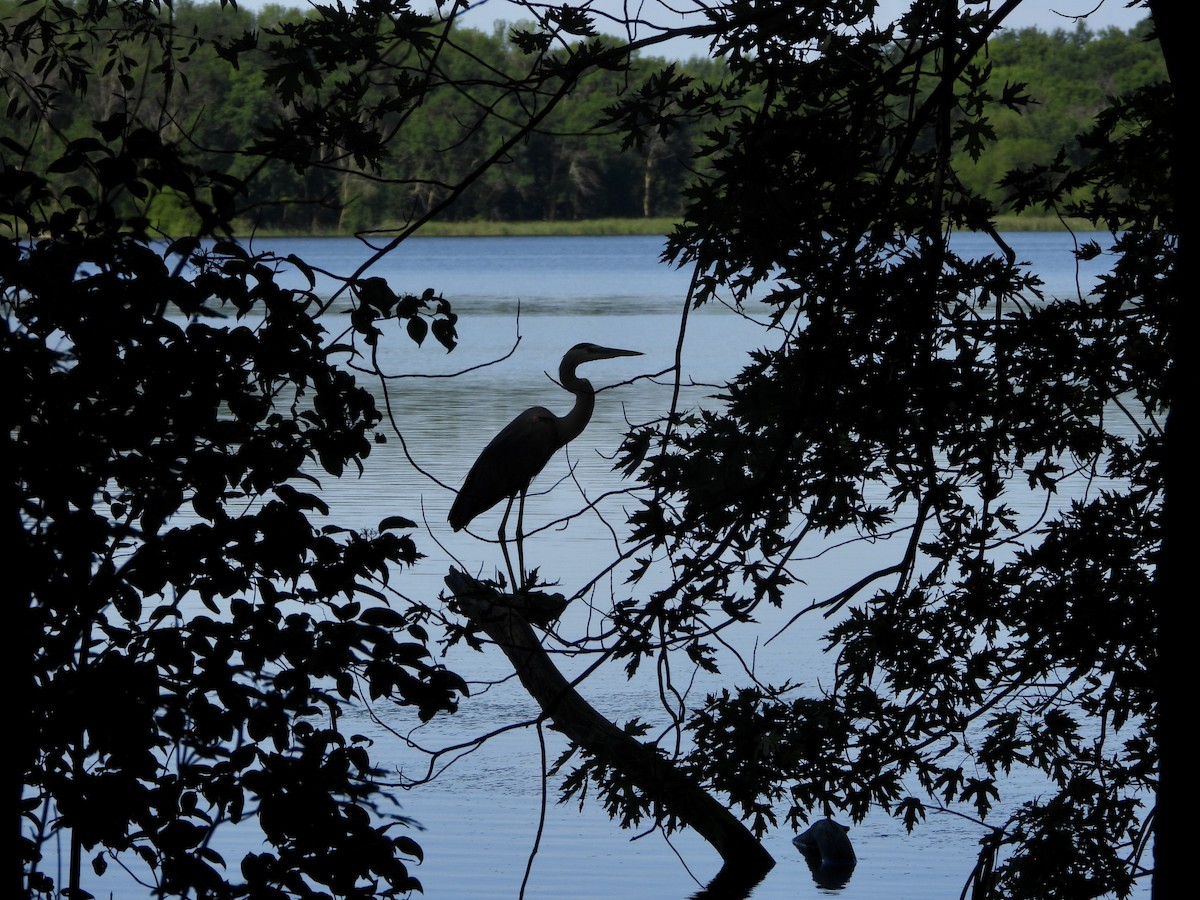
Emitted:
<point x="663" y="226"/>
<point x="584" y="228"/>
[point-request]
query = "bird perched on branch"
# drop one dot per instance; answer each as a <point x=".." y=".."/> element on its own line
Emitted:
<point x="510" y="462"/>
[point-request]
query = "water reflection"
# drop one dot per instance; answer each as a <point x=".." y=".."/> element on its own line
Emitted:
<point x="483" y="816"/>
<point x="481" y="819"/>
<point x="731" y="883"/>
<point x="830" y="878"/>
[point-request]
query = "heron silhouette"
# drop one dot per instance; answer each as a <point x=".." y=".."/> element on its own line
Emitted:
<point x="507" y="466"/>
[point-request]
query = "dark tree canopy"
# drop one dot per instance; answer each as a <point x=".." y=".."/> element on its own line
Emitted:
<point x="191" y="627"/>
<point x="911" y="398"/>
<point x="189" y="631"/>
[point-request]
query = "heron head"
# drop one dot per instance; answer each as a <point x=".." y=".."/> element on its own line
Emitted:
<point x="587" y="352"/>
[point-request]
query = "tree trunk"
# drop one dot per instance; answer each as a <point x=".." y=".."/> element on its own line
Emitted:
<point x="1174" y="599"/>
<point x="502" y="619"/>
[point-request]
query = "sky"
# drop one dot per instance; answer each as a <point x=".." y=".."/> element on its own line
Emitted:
<point x="484" y="14"/>
<point x="1047" y="15"/>
<point x="1044" y="14"/>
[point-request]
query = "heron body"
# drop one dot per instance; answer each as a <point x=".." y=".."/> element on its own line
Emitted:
<point x="507" y="466"/>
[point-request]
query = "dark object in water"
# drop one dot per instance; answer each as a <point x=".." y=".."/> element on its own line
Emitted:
<point x="826" y="843"/>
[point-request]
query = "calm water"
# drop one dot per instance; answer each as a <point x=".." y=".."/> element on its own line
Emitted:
<point x="533" y="298"/>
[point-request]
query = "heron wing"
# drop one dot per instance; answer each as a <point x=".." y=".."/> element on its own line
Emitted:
<point x="507" y="465"/>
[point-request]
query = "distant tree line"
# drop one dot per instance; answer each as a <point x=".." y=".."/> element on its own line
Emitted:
<point x="1071" y="77"/>
<point x="569" y="169"/>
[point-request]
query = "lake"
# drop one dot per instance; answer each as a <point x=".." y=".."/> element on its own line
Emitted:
<point x="522" y="302"/>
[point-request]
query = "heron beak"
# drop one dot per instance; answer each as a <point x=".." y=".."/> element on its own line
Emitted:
<point x="611" y="352"/>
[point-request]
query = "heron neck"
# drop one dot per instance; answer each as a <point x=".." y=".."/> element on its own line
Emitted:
<point x="572" y="424"/>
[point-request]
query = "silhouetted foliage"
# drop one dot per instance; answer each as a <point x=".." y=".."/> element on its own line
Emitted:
<point x="997" y="447"/>
<point x="189" y="634"/>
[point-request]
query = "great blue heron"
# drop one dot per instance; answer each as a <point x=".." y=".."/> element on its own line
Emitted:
<point x="510" y="462"/>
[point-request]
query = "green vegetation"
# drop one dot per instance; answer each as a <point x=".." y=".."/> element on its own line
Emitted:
<point x="574" y="167"/>
<point x="501" y="228"/>
<point x="563" y="227"/>
<point x="1069" y="77"/>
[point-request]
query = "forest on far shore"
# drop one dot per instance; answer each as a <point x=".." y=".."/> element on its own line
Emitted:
<point x="567" y="171"/>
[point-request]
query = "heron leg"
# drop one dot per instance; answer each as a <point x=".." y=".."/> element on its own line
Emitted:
<point x="521" y="539"/>
<point x="504" y="542"/>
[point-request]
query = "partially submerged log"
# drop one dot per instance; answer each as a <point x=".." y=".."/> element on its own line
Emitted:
<point x="826" y="847"/>
<point x="505" y="619"/>
<point x="828" y="844"/>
